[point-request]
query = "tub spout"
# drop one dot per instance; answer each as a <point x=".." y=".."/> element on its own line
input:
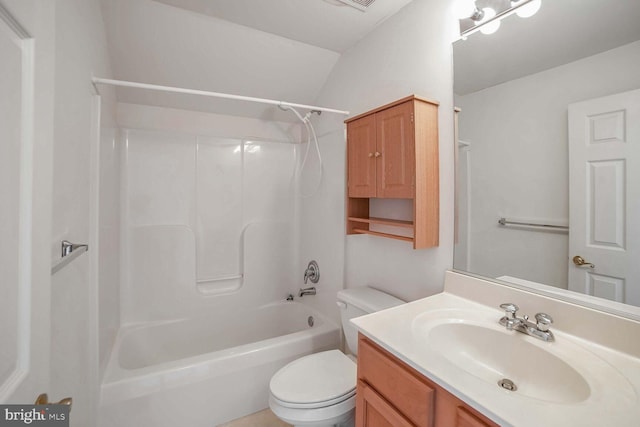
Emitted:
<point x="307" y="291"/>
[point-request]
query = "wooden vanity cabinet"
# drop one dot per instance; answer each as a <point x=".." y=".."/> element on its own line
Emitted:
<point x="392" y="394"/>
<point x="392" y="153"/>
<point x="361" y="157"/>
<point x="381" y="153"/>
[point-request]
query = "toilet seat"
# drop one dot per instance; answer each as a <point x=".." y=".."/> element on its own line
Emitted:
<point x="315" y="405"/>
<point x="315" y="381"/>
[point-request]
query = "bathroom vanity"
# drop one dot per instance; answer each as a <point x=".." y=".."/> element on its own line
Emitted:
<point x="391" y="393"/>
<point x="446" y="360"/>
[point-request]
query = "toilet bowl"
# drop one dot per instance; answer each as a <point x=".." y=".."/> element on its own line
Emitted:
<point x="319" y="390"/>
<point x="316" y="390"/>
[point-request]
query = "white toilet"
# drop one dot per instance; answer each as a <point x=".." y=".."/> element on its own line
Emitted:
<point x="319" y="390"/>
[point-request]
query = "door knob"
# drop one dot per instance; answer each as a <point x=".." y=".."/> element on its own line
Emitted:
<point x="580" y="262"/>
<point x="43" y="399"/>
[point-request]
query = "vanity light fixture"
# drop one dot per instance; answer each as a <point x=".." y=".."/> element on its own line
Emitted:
<point x="467" y="9"/>
<point x="526" y="10"/>
<point x="489" y="27"/>
<point x="485" y="15"/>
<point x="479" y="15"/>
<point x="463" y="9"/>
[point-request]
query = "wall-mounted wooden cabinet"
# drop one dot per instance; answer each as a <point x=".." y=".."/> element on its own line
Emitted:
<point x="391" y="393"/>
<point x="392" y="153"/>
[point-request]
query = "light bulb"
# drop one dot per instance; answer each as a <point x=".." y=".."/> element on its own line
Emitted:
<point x="488" y="14"/>
<point x="491" y="27"/>
<point x="463" y="9"/>
<point x="528" y="9"/>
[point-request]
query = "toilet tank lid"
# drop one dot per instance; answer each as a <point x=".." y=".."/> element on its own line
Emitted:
<point x="368" y="299"/>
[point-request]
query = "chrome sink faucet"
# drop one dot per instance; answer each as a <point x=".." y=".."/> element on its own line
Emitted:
<point x="539" y="330"/>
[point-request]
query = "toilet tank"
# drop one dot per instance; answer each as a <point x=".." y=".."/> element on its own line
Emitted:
<point x="357" y="302"/>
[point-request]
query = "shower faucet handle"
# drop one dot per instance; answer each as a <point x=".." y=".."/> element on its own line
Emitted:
<point x="312" y="272"/>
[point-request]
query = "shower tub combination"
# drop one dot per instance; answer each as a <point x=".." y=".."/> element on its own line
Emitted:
<point x="201" y="202"/>
<point x="207" y="370"/>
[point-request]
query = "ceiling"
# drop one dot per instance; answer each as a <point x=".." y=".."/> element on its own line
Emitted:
<point x="562" y="31"/>
<point x="276" y="49"/>
<point x="329" y="24"/>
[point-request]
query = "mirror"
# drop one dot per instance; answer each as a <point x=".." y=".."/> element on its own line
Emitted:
<point x="534" y="98"/>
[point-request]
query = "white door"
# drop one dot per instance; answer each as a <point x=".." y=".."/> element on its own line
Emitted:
<point x="604" y="187"/>
<point x="24" y="302"/>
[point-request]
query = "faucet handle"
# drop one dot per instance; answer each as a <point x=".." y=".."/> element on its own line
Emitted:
<point x="312" y="272"/>
<point x="510" y="309"/>
<point x="543" y="321"/>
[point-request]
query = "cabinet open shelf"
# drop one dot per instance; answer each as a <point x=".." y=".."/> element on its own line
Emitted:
<point x="359" y="229"/>
<point x="383" y="221"/>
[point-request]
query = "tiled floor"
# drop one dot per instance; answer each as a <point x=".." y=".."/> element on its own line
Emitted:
<point x="259" y="419"/>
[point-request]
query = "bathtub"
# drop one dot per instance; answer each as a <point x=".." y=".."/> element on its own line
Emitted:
<point x="207" y="370"/>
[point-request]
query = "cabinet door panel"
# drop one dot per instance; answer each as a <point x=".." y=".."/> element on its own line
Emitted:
<point x="396" y="384"/>
<point x="464" y="418"/>
<point x="373" y="411"/>
<point x="395" y="168"/>
<point x="361" y="148"/>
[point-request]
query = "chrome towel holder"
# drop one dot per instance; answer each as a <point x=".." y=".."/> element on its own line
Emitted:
<point x="68" y="252"/>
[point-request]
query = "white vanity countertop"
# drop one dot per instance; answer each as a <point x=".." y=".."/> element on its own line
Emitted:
<point x="612" y="377"/>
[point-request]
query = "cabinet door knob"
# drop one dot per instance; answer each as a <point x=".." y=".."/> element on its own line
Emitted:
<point x="370" y="154"/>
<point x="378" y="154"/>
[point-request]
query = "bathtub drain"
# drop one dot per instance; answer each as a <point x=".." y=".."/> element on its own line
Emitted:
<point x="310" y="321"/>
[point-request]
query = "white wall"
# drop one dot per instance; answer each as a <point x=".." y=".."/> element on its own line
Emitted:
<point x="204" y="197"/>
<point x="519" y="161"/>
<point x="409" y="53"/>
<point x="80" y="51"/>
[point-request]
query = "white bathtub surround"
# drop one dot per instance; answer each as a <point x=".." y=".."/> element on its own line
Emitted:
<point x="597" y="381"/>
<point x="202" y="215"/>
<point x="208" y="212"/>
<point x="196" y="372"/>
<point x="207" y="232"/>
<point x="109" y="241"/>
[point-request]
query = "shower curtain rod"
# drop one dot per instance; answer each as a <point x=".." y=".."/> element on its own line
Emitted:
<point x="98" y="80"/>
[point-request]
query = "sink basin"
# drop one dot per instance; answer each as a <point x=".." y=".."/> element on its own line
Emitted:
<point x="492" y="355"/>
<point x="458" y="344"/>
